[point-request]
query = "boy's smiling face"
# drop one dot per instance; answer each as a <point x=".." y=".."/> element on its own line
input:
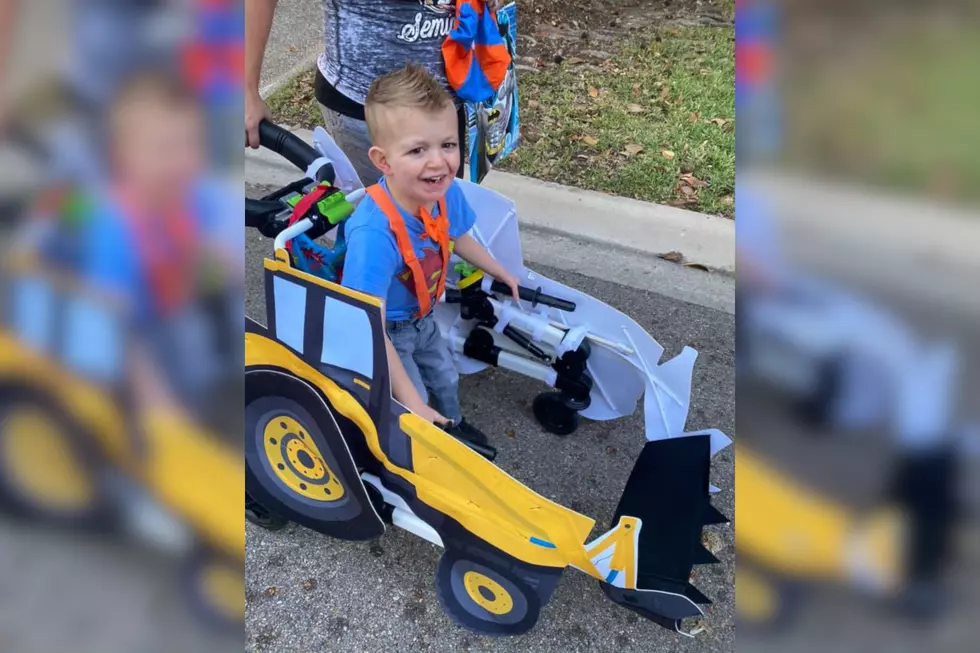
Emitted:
<point x="418" y="151"/>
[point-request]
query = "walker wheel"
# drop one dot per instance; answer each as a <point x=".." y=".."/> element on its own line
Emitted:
<point x="554" y="415"/>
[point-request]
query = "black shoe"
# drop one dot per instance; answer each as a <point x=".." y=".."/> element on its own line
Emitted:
<point x="469" y="432"/>
<point x="471" y="437"/>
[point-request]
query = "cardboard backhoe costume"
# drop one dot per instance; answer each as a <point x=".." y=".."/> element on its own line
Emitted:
<point x="76" y="453"/>
<point x="846" y="365"/>
<point x="328" y="447"/>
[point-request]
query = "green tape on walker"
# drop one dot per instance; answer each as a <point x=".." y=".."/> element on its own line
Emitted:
<point x="335" y="208"/>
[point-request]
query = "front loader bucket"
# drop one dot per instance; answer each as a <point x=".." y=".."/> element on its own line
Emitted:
<point x="668" y="492"/>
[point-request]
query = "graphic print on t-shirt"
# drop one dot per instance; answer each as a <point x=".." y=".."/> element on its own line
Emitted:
<point x="439" y="22"/>
<point x="431" y="265"/>
<point x="364" y="39"/>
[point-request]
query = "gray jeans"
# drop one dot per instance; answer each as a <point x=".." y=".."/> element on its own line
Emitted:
<point x="351" y="136"/>
<point x="428" y="362"/>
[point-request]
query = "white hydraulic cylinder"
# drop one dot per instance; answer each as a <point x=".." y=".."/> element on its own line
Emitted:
<point x="538" y="327"/>
<point x="516" y="363"/>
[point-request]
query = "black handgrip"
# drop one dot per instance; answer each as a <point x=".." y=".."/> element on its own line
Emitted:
<point x="269" y="218"/>
<point x="258" y="212"/>
<point x="535" y="296"/>
<point x="288" y="145"/>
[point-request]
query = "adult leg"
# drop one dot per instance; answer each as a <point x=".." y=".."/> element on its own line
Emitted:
<point x="351" y="136"/>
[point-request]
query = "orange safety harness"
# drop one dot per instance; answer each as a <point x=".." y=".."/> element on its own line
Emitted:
<point x="435" y="228"/>
<point x="168" y="253"/>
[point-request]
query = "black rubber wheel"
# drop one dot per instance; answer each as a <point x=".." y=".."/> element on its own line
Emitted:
<point x="50" y="473"/>
<point x="485" y="597"/>
<point x="783" y="599"/>
<point x="554" y="415"/>
<point x="214" y="587"/>
<point x="816" y="410"/>
<point x="262" y="517"/>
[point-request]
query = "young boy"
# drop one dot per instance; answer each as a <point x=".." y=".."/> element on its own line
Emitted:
<point x="157" y="227"/>
<point x="406" y="228"/>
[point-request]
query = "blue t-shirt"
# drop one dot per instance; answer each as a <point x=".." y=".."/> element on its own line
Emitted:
<point x="109" y="258"/>
<point x="374" y="264"/>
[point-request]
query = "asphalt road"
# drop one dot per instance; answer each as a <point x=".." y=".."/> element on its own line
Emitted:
<point x="308" y="593"/>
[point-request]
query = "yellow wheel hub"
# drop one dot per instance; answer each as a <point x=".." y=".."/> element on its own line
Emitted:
<point x="42" y="463"/>
<point x="223" y="587"/>
<point x="756" y="599"/>
<point x="297" y="461"/>
<point x="487" y="593"/>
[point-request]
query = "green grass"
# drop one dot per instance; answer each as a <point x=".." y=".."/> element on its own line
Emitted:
<point x="668" y="90"/>
<point x="295" y="103"/>
<point x="903" y="117"/>
<point x="672" y="97"/>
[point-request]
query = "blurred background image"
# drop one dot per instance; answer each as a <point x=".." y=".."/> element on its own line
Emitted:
<point x="858" y="347"/>
<point x="121" y="325"/>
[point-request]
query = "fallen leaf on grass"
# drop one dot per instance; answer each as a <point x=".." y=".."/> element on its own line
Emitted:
<point x="533" y="104"/>
<point x="635" y="108"/>
<point x="687" y="190"/>
<point x="593" y="91"/>
<point x="693" y="181"/>
<point x="727" y="200"/>
<point x="590" y="141"/>
<point x="574" y="61"/>
<point x="718" y="121"/>
<point x="669" y="155"/>
<point x="673" y="257"/>
<point x="694" y="117"/>
<point x="636" y="90"/>
<point x="632" y="149"/>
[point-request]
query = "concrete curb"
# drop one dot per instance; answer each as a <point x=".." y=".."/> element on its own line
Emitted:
<point x="909" y="228"/>
<point x="598" y="218"/>
<point x="307" y="63"/>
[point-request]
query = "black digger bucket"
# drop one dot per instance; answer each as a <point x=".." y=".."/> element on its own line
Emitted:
<point x="669" y="491"/>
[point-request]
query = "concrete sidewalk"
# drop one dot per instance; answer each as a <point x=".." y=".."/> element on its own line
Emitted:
<point x="294" y="43"/>
<point x="645" y="228"/>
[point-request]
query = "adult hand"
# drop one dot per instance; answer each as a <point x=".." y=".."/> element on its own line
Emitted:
<point x="256" y="110"/>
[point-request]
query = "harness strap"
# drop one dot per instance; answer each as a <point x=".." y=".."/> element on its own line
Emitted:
<point x="302" y="207"/>
<point x="437" y="229"/>
<point x="169" y="273"/>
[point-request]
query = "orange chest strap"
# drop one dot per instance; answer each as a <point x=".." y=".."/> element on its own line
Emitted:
<point x="435" y="228"/>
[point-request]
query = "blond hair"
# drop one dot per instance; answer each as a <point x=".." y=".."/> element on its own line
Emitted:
<point x="411" y="87"/>
<point x="151" y="88"/>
